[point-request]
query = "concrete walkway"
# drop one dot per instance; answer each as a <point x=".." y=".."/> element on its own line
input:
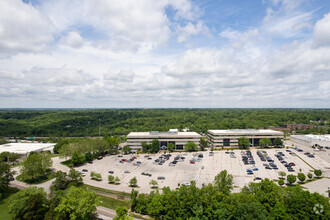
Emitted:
<point x="321" y="186"/>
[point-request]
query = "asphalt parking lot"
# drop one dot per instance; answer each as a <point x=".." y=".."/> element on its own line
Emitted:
<point x="201" y="172"/>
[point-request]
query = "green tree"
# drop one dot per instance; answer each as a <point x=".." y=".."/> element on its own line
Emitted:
<point x="145" y="147"/>
<point x="154" y="147"/>
<point x="122" y="214"/>
<point x="111" y="179"/>
<point x="28" y="203"/>
<point x="117" y="180"/>
<point x="265" y="142"/>
<point x="318" y="173"/>
<point x="35" y="167"/>
<point x="202" y="143"/>
<point x="89" y="157"/>
<point x="75" y="178"/>
<point x="282" y="174"/>
<point x="126" y="149"/>
<point x="281" y="182"/>
<point x="190" y="146"/>
<point x="243" y="142"/>
<point x="133" y="182"/>
<point x="96" y="176"/>
<point x="310" y="176"/>
<point x="77" y="203"/>
<point x="301" y="177"/>
<point x="77" y="158"/>
<point x="60" y="183"/>
<point x="153" y="183"/>
<point x="291" y="179"/>
<point x="170" y="147"/>
<point x="224" y="182"/>
<point x="278" y="142"/>
<point x="5" y="175"/>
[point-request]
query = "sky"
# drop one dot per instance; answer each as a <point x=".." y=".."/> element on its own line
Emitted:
<point x="164" y="54"/>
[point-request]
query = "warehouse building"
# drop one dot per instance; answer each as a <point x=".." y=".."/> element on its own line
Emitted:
<point x="179" y="139"/>
<point x="310" y="140"/>
<point x="229" y="138"/>
<point x="25" y="149"/>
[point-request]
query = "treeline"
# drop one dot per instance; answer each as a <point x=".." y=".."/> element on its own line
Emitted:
<point x="80" y="123"/>
<point x="264" y="200"/>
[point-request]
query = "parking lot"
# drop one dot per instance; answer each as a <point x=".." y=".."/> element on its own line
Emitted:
<point x="202" y="171"/>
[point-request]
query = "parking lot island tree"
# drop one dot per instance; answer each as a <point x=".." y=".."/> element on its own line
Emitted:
<point x="122" y="214"/>
<point x="243" y="142"/>
<point x="309" y="175"/>
<point x="133" y="182"/>
<point x="89" y="157"/>
<point x="265" y="142"/>
<point x="117" y="180"/>
<point x="96" y="176"/>
<point x="153" y="183"/>
<point x="281" y="182"/>
<point x="224" y="182"/>
<point x="190" y="146"/>
<point x="282" y="174"/>
<point x="291" y="179"/>
<point x="301" y="177"/>
<point x="111" y="179"/>
<point x="318" y="173"/>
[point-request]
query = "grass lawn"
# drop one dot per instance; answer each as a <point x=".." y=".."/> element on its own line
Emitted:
<point x="97" y="189"/>
<point x="4" y="215"/>
<point x="49" y="176"/>
<point x="112" y="203"/>
<point x="67" y="163"/>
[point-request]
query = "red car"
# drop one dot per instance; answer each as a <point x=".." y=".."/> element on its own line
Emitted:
<point x="192" y="162"/>
<point x="123" y="159"/>
<point x="292" y="164"/>
<point x="134" y="157"/>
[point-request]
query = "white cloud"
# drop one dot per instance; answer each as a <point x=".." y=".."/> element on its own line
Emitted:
<point x="22" y="28"/>
<point x="322" y="32"/>
<point x="72" y="39"/>
<point x="191" y="29"/>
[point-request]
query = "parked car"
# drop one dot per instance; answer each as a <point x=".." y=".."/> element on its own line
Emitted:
<point x="146" y="174"/>
<point x="292" y="164"/>
<point x="99" y="157"/>
<point x="111" y="172"/>
<point x="311" y="156"/>
<point x="127" y="171"/>
<point x="258" y="178"/>
<point x="161" y="177"/>
<point x="84" y="170"/>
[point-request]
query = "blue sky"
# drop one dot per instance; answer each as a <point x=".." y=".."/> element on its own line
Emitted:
<point x="164" y="53"/>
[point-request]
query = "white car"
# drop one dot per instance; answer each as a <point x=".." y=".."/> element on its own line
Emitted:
<point x="186" y="184"/>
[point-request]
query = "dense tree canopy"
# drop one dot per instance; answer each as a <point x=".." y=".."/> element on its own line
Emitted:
<point x="243" y="142"/>
<point x="81" y="123"/>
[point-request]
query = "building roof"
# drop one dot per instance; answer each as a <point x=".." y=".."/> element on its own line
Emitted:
<point x="162" y="134"/>
<point x="311" y="137"/>
<point x="23" y="148"/>
<point x="246" y="131"/>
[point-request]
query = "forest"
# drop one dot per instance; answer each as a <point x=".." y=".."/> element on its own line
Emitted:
<point x="83" y="123"/>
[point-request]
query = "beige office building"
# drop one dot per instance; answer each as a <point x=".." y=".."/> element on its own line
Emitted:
<point x="229" y="138"/>
<point x="179" y="139"/>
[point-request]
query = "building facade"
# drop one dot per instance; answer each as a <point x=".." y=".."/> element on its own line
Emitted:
<point x="229" y="138"/>
<point x="179" y="139"/>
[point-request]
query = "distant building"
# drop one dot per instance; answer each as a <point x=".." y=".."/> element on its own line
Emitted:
<point x="179" y="139"/>
<point x="294" y="127"/>
<point x="310" y="140"/>
<point x="229" y="138"/>
<point x="26" y="148"/>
